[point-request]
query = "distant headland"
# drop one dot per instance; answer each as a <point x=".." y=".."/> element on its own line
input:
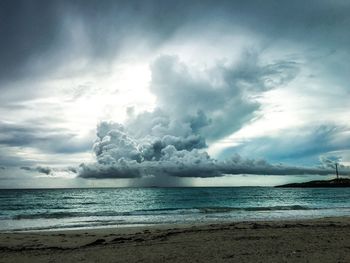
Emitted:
<point x="338" y="182"/>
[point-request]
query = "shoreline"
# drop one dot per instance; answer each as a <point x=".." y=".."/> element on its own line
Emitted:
<point x="314" y="240"/>
<point x="131" y="226"/>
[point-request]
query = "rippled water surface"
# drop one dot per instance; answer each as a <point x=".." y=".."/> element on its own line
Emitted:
<point x="82" y="208"/>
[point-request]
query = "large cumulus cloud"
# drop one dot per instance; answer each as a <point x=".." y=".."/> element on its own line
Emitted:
<point x="193" y="106"/>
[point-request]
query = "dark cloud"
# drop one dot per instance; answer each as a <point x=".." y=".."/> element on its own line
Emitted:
<point x="39" y="169"/>
<point x="42" y="137"/>
<point x="196" y="164"/>
<point x="121" y="169"/>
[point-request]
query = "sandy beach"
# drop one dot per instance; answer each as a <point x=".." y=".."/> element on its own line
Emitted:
<point x="318" y="240"/>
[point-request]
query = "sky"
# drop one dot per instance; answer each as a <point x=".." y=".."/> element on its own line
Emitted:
<point x="173" y="93"/>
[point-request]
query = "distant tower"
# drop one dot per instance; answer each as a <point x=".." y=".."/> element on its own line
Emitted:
<point x="336" y="170"/>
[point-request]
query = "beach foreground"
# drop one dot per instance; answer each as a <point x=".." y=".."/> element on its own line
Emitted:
<point x="318" y="240"/>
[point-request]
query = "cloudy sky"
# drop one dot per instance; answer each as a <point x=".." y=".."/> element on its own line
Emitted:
<point x="120" y="93"/>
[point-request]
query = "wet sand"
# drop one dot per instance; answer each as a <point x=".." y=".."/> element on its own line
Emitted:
<point x="319" y="240"/>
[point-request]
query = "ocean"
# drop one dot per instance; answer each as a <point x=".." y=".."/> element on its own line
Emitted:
<point x="55" y="209"/>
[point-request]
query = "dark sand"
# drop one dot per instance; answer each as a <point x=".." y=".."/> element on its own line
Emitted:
<point x="320" y="240"/>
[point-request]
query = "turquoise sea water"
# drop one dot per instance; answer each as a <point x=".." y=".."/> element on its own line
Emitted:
<point x="52" y="209"/>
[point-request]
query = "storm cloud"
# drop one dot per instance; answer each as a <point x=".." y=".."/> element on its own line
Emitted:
<point x="171" y="140"/>
<point x="194" y="164"/>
